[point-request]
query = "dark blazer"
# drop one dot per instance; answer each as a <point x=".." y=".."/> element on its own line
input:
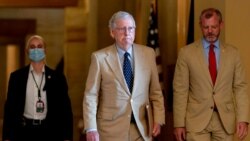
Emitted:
<point x="59" y="114"/>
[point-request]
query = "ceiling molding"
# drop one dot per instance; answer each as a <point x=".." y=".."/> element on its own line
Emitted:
<point x="38" y="3"/>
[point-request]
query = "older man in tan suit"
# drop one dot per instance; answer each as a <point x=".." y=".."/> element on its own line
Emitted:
<point x="210" y="91"/>
<point x="117" y="109"/>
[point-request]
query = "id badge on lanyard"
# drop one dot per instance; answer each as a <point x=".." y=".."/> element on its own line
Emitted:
<point x="39" y="106"/>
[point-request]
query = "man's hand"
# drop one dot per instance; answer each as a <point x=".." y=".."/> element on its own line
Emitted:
<point x="180" y="133"/>
<point x="156" y="129"/>
<point x="92" y="136"/>
<point x="242" y="130"/>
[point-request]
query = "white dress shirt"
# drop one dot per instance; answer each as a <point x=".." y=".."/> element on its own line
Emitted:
<point x="32" y="95"/>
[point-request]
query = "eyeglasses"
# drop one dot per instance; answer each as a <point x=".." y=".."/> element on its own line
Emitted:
<point x="124" y="29"/>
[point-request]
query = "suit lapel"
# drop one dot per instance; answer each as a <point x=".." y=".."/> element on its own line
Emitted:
<point x="48" y="76"/>
<point x="114" y="64"/>
<point x="138" y="66"/>
<point x="221" y="65"/>
<point x="24" y="75"/>
<point x="203" y="61"/>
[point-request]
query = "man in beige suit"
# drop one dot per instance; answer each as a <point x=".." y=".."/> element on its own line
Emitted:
<point x="117" y="110"/>
<point x="210" y="90"/>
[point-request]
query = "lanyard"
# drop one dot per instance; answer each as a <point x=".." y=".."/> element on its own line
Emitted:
<point x="39" y="88"/>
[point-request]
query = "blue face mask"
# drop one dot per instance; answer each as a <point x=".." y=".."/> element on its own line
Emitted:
<point x="36" y="54"/>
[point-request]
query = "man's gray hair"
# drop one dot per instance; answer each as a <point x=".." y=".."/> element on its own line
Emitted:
<point x="209" y="12"/>
<point x="119" y="15"/>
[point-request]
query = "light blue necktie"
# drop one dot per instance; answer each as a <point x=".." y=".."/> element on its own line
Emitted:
<point x="127" y="72"/>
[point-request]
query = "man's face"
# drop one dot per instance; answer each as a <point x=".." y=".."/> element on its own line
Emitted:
<point x="211" y="28"/>
<point x="124" y="32"/>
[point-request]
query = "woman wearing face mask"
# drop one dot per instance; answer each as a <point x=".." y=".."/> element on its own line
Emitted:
<point x="38" y="107"/>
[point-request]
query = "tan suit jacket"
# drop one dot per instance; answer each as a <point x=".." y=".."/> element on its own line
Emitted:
<point x="108" y="104"/>
<point x="195" y="95"/>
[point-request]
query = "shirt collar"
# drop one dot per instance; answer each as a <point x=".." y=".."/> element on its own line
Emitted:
<point x="206" y="44"/>
<point x="121" y="51"/>
<point x="31" y="68"/>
